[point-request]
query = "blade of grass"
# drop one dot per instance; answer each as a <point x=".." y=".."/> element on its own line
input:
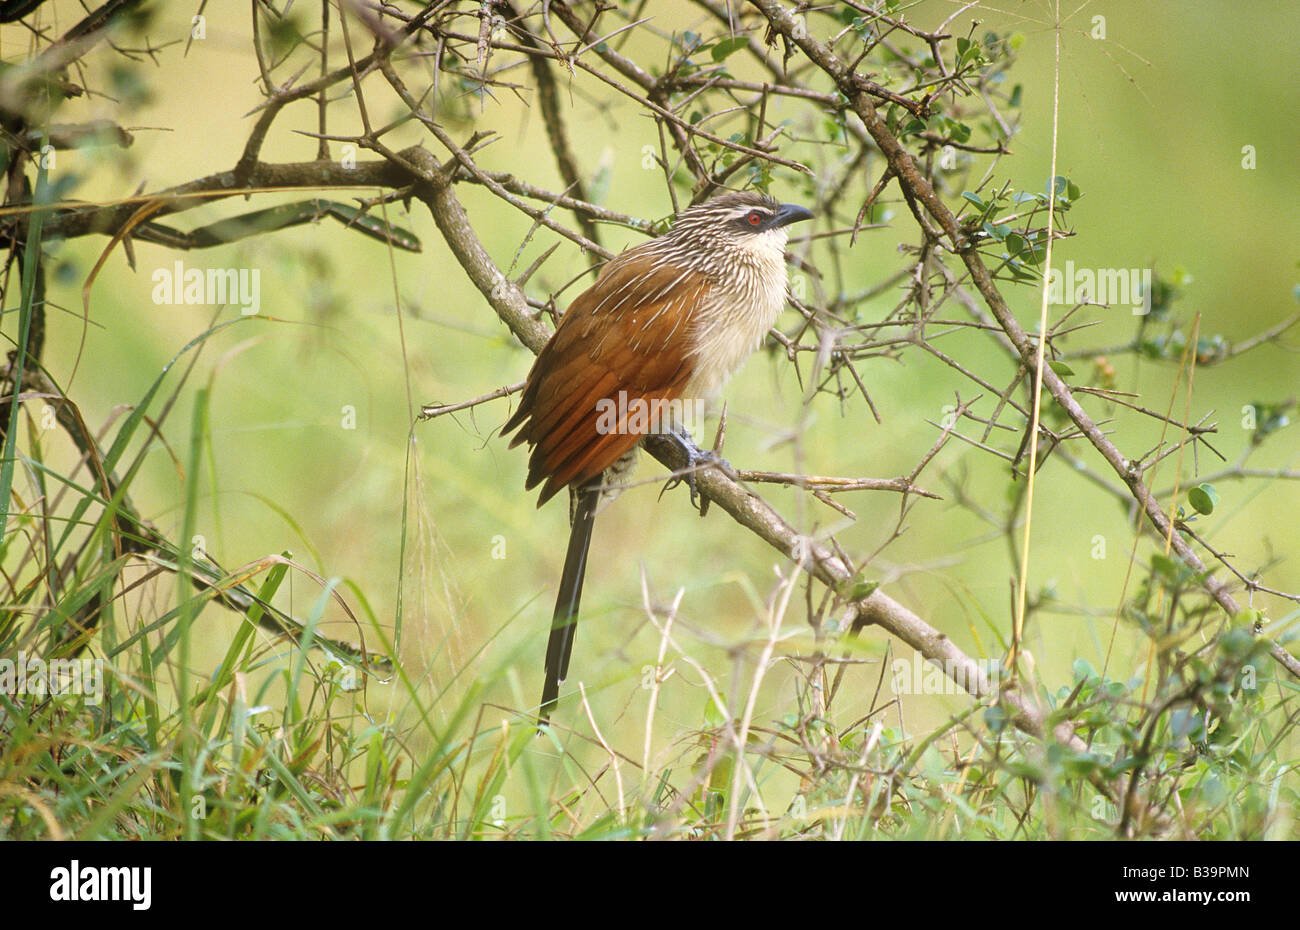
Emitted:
<point x="188" y="607"/>
<point x="31" y="262"/>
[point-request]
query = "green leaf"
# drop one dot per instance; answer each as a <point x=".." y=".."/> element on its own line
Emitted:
<point x="729" y="46"/>
<point x="1081" y="763"/>
<point x="713" y="717"/>
<point x="1250" y="618"/>
<point x="1165" y="566"/>
<point x="1060" y="368"/>
<point x="860" y="590"/>
<point x="1203" y="497"/>
<point x="997" y="231"/>
<point x="973" y="198"/>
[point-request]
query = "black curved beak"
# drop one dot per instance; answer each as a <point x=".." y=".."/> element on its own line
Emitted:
<point x="789" y="213"/>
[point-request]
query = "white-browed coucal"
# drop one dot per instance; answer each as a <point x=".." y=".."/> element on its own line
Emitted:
<point x="667" y="321"/>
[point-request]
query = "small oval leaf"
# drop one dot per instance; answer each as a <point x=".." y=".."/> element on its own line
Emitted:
<point x="1203" y="497"/>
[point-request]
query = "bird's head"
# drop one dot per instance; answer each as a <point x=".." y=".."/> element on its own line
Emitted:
<point x="746" y="220"/>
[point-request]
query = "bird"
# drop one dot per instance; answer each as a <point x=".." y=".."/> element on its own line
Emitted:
<point x="665" y="323"/>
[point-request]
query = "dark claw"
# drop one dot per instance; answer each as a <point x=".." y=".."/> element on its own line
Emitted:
<point x="696" y="459"/>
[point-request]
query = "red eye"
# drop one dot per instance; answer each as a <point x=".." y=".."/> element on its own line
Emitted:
<point x="754" y="218"/>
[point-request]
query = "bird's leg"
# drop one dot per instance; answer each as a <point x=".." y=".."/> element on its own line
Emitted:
<point x="696" y="459"/>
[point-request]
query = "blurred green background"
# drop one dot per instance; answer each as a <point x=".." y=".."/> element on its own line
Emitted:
<point x="1153" y="121"/>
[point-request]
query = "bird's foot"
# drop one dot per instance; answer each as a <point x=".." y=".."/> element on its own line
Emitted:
<point x="696" y="460"/>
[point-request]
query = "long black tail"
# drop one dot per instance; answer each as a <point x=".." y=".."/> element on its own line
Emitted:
<point x="564" y="623"/>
